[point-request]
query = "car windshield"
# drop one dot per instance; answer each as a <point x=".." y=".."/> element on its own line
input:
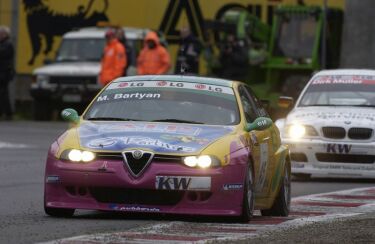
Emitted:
<point x="340" y="91"/>
<point x="85" y="49"/>
<point x="296" y="36"/>
<point x="165" y="101"/>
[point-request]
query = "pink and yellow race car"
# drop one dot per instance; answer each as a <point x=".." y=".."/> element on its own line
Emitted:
<point x="170" y="144"/>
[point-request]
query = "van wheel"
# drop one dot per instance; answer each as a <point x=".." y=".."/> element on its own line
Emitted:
<point x="248" y="198"/>
<point x="281" y="206"/>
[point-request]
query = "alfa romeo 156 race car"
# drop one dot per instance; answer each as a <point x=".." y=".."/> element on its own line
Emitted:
<point x="170" y="144"/>
<point x="330" y="131"/>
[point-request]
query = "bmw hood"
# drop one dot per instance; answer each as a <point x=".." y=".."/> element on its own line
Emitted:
<point x="158" y="137"/>
<point x="336" y="116"/>
<point x="69" y="69"/>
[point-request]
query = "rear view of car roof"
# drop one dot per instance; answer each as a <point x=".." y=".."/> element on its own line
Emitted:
<point x="177" y="78"/>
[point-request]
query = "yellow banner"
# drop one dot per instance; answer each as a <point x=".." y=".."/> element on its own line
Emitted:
<point x="42" y="23"/>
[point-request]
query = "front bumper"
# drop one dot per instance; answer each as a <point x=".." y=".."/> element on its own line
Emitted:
<point x="323" y="158"/>
<point x="89" y="186"/>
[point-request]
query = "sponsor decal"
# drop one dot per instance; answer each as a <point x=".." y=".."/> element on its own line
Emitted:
<point x="52" y="179"/>
<point x="102" y="142"/>
<point x="155" y="128"/>
<point x="298" y="165"/>
<point x="162" y="83"/>
<point x="347" y="116"/>
<point x="341" y="167"/>
<point x="182" y="183"/>
<point x="147" y="141"/>
<point x="171" y="84"/>
<point x="128" y="96"/>
<point x="345" y="79"/>
<point x="132" y="208"/>
<point x="338" y="148"/>
<point x="263" y="166"/>
<point x="186" y="139"/>
<point x="235" y="186"/>
<point x="158" y="137"/>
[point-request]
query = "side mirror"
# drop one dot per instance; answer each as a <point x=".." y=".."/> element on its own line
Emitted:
<point x="285" y="102"/>
<point x="260" y="123"/>
<point x="70" y="115"/>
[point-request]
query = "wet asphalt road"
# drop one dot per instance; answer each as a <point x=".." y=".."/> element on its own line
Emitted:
<point x="23" y="148"/>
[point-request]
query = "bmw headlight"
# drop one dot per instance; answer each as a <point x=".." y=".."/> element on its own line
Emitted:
<point x="203" y="161"/>
<point x="42" y="79"/>
<point x="297" y="131"/>
<point x="76" y="155"/>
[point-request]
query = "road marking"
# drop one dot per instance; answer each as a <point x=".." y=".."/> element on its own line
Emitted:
<point x="304" y="210"/>
<point x="8" y="145"/>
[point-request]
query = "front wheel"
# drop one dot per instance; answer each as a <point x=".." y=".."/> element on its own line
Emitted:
<point x="281" y="206"/>
<point x="248" y="198"/>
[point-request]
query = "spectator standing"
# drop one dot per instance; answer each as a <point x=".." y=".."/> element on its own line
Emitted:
<point x="234" y="59"/>
<point x="188" y="54"/>
<point x="114" y="58"/>
<point x="6" y="71"/>
<point x="129" y="51"/>
<point x="154" y="58"/>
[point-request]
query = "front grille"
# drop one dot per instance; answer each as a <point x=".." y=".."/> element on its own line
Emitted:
<point x="298" y="157"/>
<point x="345" y="158"/>
<point x="334" y="132"/>
<point x="73" y="80"/>
<point x="135" y="165"/>
<point x="158" y="158"/>
<point x="136" y="196"/>
<point x="360" y="133"/>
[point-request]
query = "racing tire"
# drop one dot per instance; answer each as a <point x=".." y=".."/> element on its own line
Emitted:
<point x="59" y="212"/>
<point x="248" y="196"/>
<point x="281" y="206"/>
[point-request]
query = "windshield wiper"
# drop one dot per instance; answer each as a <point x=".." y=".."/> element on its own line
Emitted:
<point x="177" y="121"/>
<point x="112" y="119"/>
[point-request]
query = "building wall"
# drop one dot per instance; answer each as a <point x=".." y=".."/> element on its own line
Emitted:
<point x="358" y="50"/>
<point x="154" y="14"/>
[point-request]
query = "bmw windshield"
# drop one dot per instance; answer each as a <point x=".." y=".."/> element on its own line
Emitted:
<point x="342" y="90"/>
<point x="164" y="101"/>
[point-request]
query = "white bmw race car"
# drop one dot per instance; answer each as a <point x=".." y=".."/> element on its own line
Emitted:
<point x="330" y="130"/>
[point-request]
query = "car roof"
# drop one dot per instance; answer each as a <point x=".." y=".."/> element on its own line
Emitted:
<point x="368" y="72"/>
<point x="98" y="32"/>
<point x="178" y="78"/>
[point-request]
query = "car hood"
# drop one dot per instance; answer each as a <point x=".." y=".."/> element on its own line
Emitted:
<point x="338" y="116"/>
<point x="158" y="137"/>
<point x="69" y="69"/>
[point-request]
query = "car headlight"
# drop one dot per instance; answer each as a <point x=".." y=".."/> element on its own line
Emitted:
<point x="76" y="155"/>
<point x="297" y="131"/>
<point x="42" y="79"/>
<point x="203" y="161"/>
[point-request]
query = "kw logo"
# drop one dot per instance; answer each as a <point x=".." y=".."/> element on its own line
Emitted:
<point x="172" y="183"/>
<point x="338" y="148"/>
